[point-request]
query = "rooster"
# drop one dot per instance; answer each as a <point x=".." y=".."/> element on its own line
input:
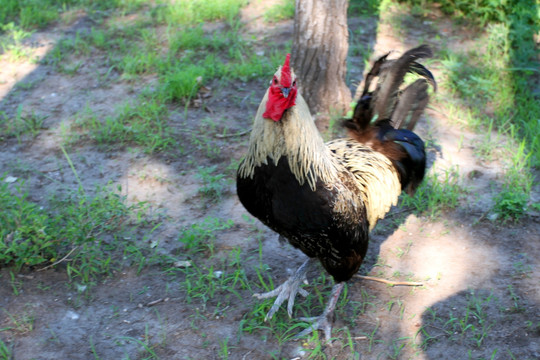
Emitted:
<point x="325" y="198"/>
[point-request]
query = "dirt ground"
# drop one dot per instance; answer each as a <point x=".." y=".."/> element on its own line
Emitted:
<point x="477" y="272"/>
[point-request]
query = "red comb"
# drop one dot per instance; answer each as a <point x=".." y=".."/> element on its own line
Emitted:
<point x="286" y="72"/>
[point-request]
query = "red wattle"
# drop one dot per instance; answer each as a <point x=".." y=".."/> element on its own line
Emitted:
<point x="277" y="104"/>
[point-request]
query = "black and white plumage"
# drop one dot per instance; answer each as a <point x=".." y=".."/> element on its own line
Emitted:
<point x="325" y="198"/>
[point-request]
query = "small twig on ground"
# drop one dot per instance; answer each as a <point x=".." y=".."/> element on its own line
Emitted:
<point x="241" y="133"/>
<point x="152" y="303"/>
<point x="59" y="261"/>
<point x="389" y="282"/>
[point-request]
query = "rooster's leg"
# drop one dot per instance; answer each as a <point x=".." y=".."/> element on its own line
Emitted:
<point x="323" y="322"/>
<point x="287" y="290"/>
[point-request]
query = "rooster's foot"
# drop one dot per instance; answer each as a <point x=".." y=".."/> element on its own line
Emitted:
<point x="323" y="322"/>
<point x="287" y="290"/>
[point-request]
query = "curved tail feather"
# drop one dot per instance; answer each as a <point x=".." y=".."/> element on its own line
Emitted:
<point x="385" y="117"/>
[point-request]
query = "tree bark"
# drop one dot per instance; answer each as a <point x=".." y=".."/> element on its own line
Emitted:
<point x="320" y="45"/>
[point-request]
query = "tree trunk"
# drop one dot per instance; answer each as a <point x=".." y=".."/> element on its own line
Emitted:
<point x="321" y="42"/>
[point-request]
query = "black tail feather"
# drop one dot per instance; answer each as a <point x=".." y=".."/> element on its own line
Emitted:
<point x="411" y="104"/>
<point x="386" y="116"/>
<point x="374" y="72"/>
<point x="385" y="95"/>
<point x="386" y="102"/>
<point x="422" y="71"/>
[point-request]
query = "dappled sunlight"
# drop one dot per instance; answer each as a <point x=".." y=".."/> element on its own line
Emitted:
<point x="452" y="145"/>
<point x="446" y="256"/>
<point x="452" y="259"/>
<point x="149" y="180"/>
<point x="14" y="71"/>
<point x="455" y="150"/>
<point x="449" y="256"/>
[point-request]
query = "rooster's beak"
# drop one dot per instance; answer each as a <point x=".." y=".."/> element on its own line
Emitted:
<point x="285" y="92"/>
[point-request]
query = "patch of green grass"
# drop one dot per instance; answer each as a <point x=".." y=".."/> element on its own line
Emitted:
<point x="136" y="60"/>
<point x="465" y="81"/>
<point x="223" y="352"/>
<point x="491" y="86"/>
<point x="227" y="56"/>
<point x="219" y="281"/>
<point x="193" y="38"/>
<point x="214" y="185"/>
<point x="115" y="43"/>
<point x="201" y="236"/>
<point x="34" y="14"/>
<point x="349" y="344"/>
<point x="480" y="12"/>
<point x="470" y="323"/>
<point x="128" y="6"/>
<point x="23" y="235"/>
<point x="148" y="350"/>
<point x="396" y="345"/>
<point x="21" y="323"/>
<point x="28" y="84"/>
<point x="251" y="67"/>
<point x="194" y="58"/>
<point x="143" y="123"/>
<point x="78" y="45"/>
<point x="186" y="41"/>
<point x="190" y="12"/>
<point x="283" y="10"/>
<point x="21" y="124"/>
<point x="58" y="54"/>
<point x="29" y="14"/>
<point x="482" y="85"/>
<point x="517" y="302"/>
<point x="71" y="229"/>
<point x="204" y="138"/>
<point x="511" y="204"/>
<point x="80" y="223"/>
<point x="521" y="267"/>
<point x="371" y="336"/>
<point x="496" y="96"/>
<point x="99" y="38"/>
<point x="11" y="41"/>
<point x="488" y="146"/>
<point x="438" y="191"/>
<point x="182" y="82"/>
<point x="6" y="352"/>
<point x="512" y="201"/>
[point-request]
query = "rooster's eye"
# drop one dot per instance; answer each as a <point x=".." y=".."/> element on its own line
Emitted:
<point x="275" y="81"/>
<point x="294" y="83"/>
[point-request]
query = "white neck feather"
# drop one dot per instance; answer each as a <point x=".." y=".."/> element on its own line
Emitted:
<point x="296" y="137"/>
